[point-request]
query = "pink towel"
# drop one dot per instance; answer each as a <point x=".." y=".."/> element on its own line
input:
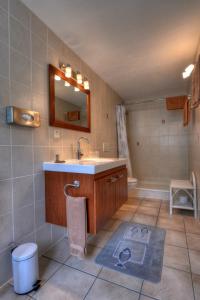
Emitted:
<point x="77" y="225"/>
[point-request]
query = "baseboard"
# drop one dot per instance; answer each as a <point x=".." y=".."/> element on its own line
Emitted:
<point x="149" y="193"/>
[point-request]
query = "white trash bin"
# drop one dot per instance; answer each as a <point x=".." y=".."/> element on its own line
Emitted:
<point x="25" y="268"/>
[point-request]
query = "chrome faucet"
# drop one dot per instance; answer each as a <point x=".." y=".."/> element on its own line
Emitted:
<point x="79" y="153"/>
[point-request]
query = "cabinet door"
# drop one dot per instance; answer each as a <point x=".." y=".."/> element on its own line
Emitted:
<point x="105" y="200"/>
<point x="121" y="188"/>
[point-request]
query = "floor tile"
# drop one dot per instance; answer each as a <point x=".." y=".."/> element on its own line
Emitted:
<point x="177" y="258"/>
<point x="174" y="285"/>
<point x="100" y="239"/>
<point x="164" y="204"/>
<point x="196" y="285"/>
<point x="175" y="238"/>
<point x="173" y="223"/>
<point x="103" y="290"/>
<point x="122" y="279"/>
<point x="134" y="201"/>
<point x="87" y="264"/>
<point x="192" y="225"/>
<point x="164" y="212"/>
<point x="123" y="215"/>
<point x="7" y="293"/>
<point x="112" y="225"/>
<point x="67" y="283"/>
<point x="129" y="207"/>
<point x="144" y="219"/>
<point x="153" y="211"/>
<point x="60" y="252"/>
<point x="195" y="261"/>
<point x="193" y="241"/>
<point x="151" y="203"/>
<point x="47" y="268"/>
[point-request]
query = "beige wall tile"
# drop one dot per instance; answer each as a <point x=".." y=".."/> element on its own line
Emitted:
<point x="6" y="231"/>
<point x="19" y="37"/>
<point x="23" y="191"/>
<point x="163" y="147"/>
<point x="4" y="60"/>
<point x="6" y="268"/>
<point x="20" y="12"/>
<point x="3" y="26"/>
<point x="22" y="160"/>
<point x="23" y="221"/>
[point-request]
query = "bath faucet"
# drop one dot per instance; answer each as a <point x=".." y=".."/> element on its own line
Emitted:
<point x="79" y="153"/>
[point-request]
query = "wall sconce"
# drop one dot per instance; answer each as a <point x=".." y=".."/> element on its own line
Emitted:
<point x="79" y="77"/>
<point x="68" y="71"/>
<point x="188" y="71"/>
<point x="86" y="84"/>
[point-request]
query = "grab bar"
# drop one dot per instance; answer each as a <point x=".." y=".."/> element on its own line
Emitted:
<point x="75" y="184"/>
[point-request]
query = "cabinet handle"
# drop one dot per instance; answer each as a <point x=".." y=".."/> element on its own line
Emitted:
<point x="112" y="179"/>
<point x="121" y="176"/>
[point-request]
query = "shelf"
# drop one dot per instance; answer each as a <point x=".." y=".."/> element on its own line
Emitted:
<point x="179" y="205"/>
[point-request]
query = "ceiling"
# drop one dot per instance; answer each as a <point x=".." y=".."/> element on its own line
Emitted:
<point x="139" y="47"/>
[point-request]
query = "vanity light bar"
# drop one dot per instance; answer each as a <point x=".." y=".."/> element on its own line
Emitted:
<point x="67" y="69"/>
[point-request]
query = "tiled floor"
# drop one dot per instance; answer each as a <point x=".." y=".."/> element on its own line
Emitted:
<point x="67" y="278"/>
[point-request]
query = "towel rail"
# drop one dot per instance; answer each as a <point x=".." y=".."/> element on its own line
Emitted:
<point x="75" y="184"/>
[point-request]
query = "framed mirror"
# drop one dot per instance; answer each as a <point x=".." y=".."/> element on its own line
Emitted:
<point x="68" y="108"/>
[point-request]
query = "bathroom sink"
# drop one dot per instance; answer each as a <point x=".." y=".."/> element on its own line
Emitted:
<point x="84" y="166"/>
<point x="98" y="160"/>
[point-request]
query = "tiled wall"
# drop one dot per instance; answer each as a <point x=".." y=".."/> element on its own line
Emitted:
<point x="194" y="148"/>
<point x="26" y="48"/>
<point x="158" y="142"/>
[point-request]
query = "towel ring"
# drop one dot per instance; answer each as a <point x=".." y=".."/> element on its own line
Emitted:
<point x="75" y="184"/>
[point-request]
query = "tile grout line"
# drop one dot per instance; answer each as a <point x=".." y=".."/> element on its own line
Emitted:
<point x="156" y="225"/>
<point x="10" y="131"/>
<point x="141" y="289"/>
<point x="90" y="288"/>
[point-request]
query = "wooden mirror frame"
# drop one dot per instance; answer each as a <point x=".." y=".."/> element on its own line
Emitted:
<point x="52" y="115"/>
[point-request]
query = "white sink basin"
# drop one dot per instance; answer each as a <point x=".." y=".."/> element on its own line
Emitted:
<point x="84" y="166"/>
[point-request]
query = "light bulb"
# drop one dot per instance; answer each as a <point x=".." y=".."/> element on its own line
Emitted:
<point x="86" y="84"/>
<point x="67" y="83"/>
<point x="76" y="89"/>
<point x="185" y="75"/>
<point x="188" y="71"/>
<point x="68" y="71"/>
<point x="79" y="77"/>
<point x="56" y="77"/>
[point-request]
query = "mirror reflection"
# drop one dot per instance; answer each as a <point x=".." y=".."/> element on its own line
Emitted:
<point x="70" y="105"/>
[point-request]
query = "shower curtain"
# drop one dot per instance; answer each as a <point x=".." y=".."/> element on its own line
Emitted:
<point x="123" y="148"/>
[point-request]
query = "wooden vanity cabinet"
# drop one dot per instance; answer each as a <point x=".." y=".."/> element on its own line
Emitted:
<point x="105" y="193"/>
<point x="110" y="194"/>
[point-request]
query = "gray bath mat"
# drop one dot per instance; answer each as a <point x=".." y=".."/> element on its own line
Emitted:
<point x="135" y="249"/>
